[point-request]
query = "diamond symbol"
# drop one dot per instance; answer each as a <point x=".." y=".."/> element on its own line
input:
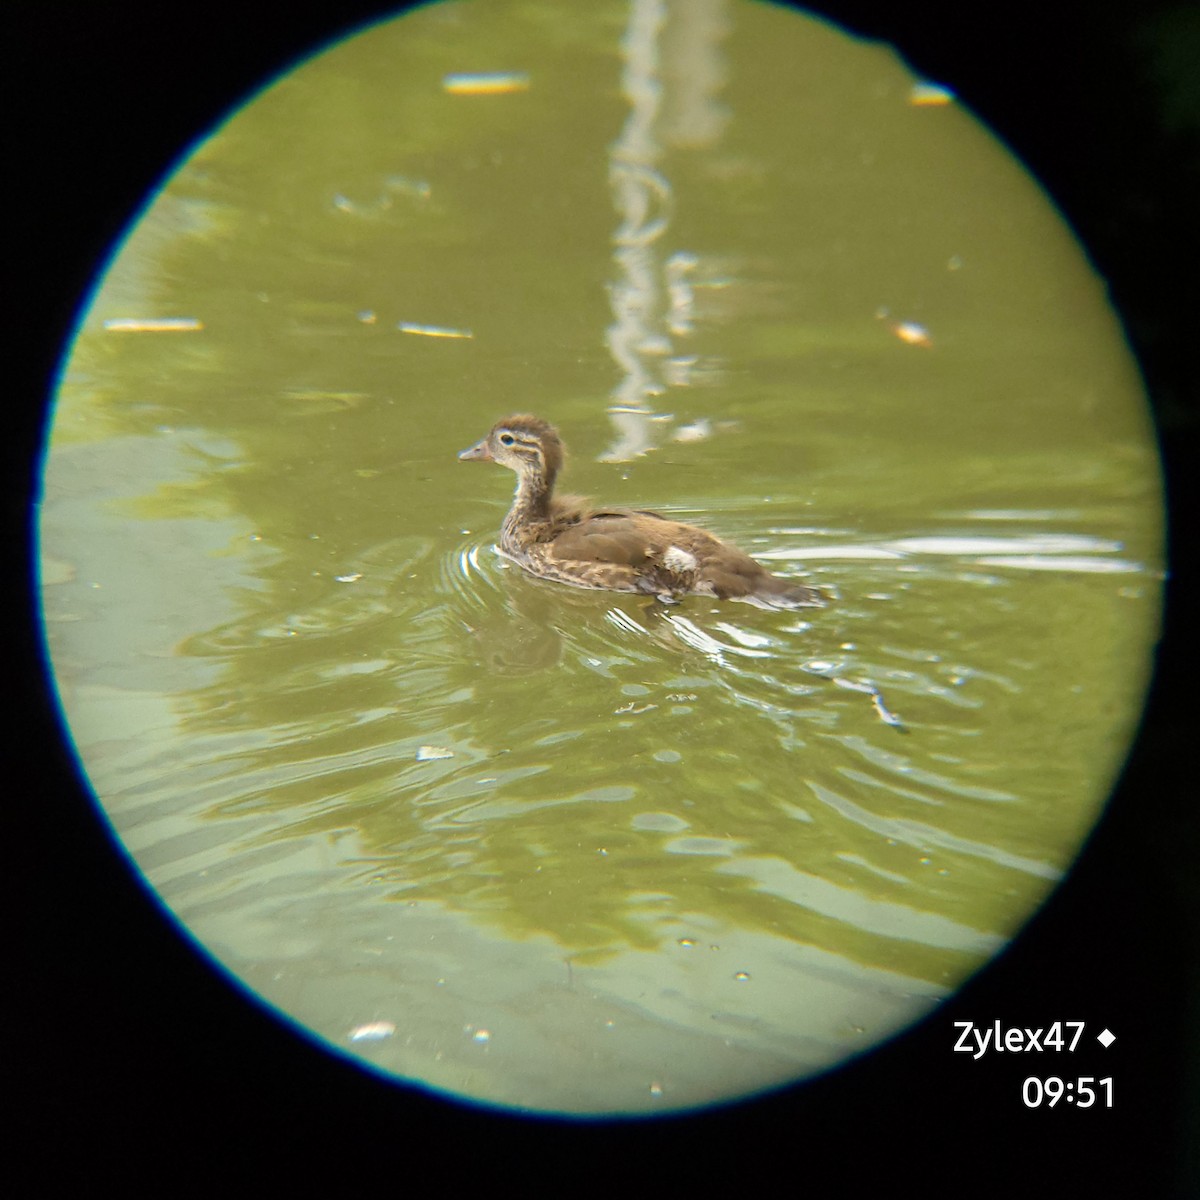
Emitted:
<point x="1106" y="1039"/>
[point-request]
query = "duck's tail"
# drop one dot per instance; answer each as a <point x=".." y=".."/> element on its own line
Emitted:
<point x="773" y="592"/>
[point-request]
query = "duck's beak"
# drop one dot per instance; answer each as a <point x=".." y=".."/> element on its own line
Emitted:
<point x="477" y="453"/>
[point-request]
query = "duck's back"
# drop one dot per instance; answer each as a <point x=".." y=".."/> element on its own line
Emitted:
<point x="637" y="550"/>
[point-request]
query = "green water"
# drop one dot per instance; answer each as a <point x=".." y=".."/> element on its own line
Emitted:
<point x="575" y="850"/>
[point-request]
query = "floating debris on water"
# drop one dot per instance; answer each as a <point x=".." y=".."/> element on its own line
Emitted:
<point x="435" y="331"/>
<point x="486" y="83"/>
<point x="430" y="753"/>
<point x="153" y="324"/>
<point x="885" y="714"/>
<point x="374" y="1031"/>
<point x="911" y="333"/>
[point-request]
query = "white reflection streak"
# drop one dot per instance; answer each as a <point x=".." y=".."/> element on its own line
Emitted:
<point x="641" y="197"/>
<point x="652" y="301"/>
<point x="695" y="637"/>
<point x="1071" y="552"/>
<point x="468" y="562"/>
<point x="623" y="621"/>
<point x="925" y="837"/>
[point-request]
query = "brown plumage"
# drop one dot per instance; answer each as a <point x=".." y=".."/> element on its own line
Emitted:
<point x="619" y="549"/>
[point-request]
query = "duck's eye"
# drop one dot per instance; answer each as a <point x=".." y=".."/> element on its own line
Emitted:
<point x="507" y="439"/>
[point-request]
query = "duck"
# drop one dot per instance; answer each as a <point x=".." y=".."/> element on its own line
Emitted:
<point x="567" y="540"/>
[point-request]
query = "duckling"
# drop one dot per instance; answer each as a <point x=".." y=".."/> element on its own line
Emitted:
<point x="617" y="549"/>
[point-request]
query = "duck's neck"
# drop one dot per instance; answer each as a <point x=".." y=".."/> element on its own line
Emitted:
<point x="531" y="502"/>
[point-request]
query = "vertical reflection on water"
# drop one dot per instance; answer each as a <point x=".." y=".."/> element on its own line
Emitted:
<point x="642" y="197"/>
<point x="651" y="298"/>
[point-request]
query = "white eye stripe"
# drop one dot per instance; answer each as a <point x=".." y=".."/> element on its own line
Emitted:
<point x="507" y="438"/>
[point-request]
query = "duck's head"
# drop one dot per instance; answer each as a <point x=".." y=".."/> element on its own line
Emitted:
<point x="525" y="444"/>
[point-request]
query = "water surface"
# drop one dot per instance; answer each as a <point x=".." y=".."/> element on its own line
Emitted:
<point x="578" y="851"/>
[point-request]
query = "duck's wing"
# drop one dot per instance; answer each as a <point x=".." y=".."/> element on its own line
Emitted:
<point x="624" y="538"/>
<point x="638" y="550"/>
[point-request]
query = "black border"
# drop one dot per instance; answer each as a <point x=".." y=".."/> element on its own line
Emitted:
<point x="128" y="1053"/>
